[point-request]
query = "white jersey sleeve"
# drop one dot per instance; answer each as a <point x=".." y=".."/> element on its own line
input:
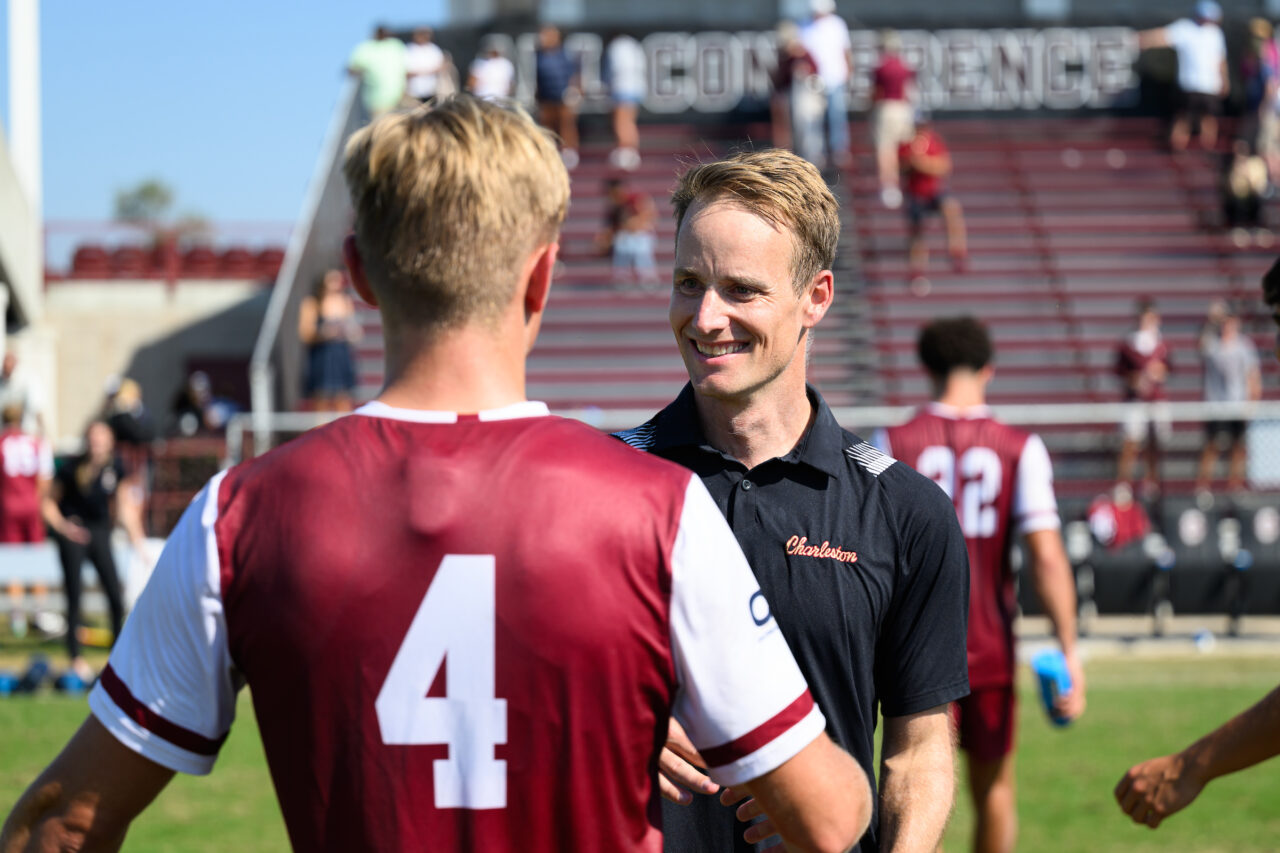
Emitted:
<point x="44" y="461"/>
<point x="168" y="691"/>
<point x="880" y="441"/>
<point x="1034" y="505"/>
<point x="742" y="699"/>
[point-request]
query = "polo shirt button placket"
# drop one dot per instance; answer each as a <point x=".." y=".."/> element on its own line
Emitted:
<point x="746" y="485"/>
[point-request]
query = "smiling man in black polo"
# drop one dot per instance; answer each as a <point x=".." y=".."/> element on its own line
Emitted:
<point x="861" y="558"/>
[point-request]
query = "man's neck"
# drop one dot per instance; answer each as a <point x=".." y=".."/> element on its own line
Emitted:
<point x="962" y="394"/>
<point x="460" y="370"/>
<point x="757" y="430"/>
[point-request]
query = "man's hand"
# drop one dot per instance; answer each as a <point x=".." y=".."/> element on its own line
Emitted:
<point x="74" y="532"/>
<point x="1155" y="789"/>
<point x="1071" y="704"/>
<point x="747" y="812"/>
<point x="678" y="772"/>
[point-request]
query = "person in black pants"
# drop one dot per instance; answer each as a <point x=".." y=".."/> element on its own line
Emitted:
<point x="89" y="494"/>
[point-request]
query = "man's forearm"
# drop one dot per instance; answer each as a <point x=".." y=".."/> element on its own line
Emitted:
<point x="1054" y="584"/>
<point x="1241" y="742"/>
<point x="917" y="781"/>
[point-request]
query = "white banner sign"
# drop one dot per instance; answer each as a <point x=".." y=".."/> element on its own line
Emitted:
<point x="1024" y="69"/>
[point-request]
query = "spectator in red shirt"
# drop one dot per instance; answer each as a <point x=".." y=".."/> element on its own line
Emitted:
<point x="630" y="233"/>
<point x="926" y="163"/>
<point x="892" y="123"/>
<point x="26" y="467"/>
<point x="1143" y="361"/>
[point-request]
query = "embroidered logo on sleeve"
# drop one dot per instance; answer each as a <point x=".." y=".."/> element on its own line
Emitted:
<point x="798" y="546"/>
<point x="869" y="458"/>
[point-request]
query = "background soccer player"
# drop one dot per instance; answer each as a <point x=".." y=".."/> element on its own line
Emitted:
<point x="1001" y="483"/>
<point x="854" y="552"/>
<point x="465" y="623"/>
<point x="1158" y="787"/>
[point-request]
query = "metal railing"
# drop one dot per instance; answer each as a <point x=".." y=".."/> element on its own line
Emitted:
<point x="315" y="245"/>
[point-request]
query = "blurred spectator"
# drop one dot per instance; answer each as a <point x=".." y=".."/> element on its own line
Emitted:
<point x="926" y="163"/>
<point x="631" y="220"/>
<point x="624" y="74"/>
<point x="826" y="37"/>
<point x="26" y="466"/>
<point x="126" y="414"/>
<point x="1202" y="72"/>
<point x="88" y="496"/>
<point x="1244" y="183"/>
<point x="891" y="114"/>
<point x="195" y="408"/>
<point x="556" y="91"/>
<point x="380" y="64"/>
<point x="1258" y="74"/>
<point x="17" y="388"/>
<point x="134" y="431"/>
<point x="1143" y="363"/>
<point x="491" y="76"/>
<point x="327" y="325"/>
<point x="426" y="67"/>
<point x="799" y="99"/>
<point x="1231" y="375"/>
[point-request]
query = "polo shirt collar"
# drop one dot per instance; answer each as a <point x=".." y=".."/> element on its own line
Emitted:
<point x="821" y="447"/>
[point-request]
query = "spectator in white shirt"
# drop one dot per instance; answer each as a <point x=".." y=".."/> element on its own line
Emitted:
<point x="1202" y="72"/>
<point x="492" y="76"/>
<point x="826" y="38"/>
<point x="425" y="63"/>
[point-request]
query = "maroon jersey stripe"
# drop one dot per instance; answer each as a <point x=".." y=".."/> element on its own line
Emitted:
<point x="719" y="756"/>
<point x="153" y="722"/>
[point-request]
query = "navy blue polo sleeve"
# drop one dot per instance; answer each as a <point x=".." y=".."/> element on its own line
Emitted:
<point x="921" y="661"/>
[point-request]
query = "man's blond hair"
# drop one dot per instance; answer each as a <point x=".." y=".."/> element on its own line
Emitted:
<point x="450" y="200"/>
<point x="776" y="185"/>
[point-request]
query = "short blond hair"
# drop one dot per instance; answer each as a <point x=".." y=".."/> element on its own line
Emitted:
<point x="450" y="200"/>
<point x="778" y="186"/>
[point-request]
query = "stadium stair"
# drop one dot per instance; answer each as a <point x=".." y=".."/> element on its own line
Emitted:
<point x="1071" y="220"/>
<point x="609" y="346"/>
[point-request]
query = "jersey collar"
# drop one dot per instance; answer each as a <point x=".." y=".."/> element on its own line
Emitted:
<point x="378" y="409"/>
<point x="821" y="447"/>
<point x="957" y="414"/>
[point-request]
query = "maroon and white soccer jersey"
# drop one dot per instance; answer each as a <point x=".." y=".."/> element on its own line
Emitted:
<point x="1001" y="482"/>
<point x="460" y="632"/>
<point x="25" y="460"/>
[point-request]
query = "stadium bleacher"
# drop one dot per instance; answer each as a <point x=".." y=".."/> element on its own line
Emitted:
<point x="1071" y="220"/>
<point x="608" y="345"/>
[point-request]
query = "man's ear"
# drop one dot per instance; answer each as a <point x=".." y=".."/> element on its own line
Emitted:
<point x="818" y="296"/>
<point x="539" y="283"/>
<point x="355" y="267"/>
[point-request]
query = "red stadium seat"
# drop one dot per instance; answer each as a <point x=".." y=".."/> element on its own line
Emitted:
<point x="130" y="262"/>
<point x="90" y="261"/>
<point x="237" y="262"/>
<point x="199" y="262"/>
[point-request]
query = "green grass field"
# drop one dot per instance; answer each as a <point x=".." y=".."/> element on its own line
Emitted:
<point x="1137" y="708"/>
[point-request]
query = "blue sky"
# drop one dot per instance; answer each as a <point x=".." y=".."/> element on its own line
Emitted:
<point x="226" y="102"/>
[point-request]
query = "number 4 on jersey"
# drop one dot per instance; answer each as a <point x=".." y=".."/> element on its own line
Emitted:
<point x="456" y="620"/>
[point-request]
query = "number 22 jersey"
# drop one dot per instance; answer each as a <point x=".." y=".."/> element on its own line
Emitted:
<point x="1001" y="482"/>
<point x="460" y="633"/>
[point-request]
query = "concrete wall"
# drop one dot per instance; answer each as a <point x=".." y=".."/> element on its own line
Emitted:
<point x="145" y="330"/>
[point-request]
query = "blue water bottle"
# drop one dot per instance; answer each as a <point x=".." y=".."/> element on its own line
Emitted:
<point x="1050" y="667"/>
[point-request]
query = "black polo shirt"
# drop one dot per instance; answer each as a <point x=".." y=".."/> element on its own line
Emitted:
<point x="865" y="568"/>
